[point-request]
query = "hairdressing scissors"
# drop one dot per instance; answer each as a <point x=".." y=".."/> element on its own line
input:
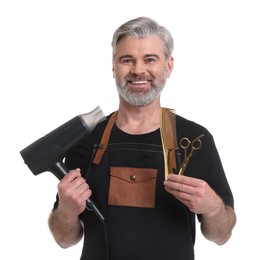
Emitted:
<point x="186" y="144"/>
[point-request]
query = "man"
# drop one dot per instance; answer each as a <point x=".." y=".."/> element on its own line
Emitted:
<point x="121" y="167"/>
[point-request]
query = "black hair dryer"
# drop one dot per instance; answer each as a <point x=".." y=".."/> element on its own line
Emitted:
<point x="47" y="153"/>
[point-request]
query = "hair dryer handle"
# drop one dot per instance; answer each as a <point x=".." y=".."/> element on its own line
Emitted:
<point x="60" y="170"/>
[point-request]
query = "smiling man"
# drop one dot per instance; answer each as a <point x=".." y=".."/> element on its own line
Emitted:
<point x="121" y="167"/>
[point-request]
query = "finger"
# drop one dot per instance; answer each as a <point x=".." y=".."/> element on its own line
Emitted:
<point x="77" y="182"/>
<point x="186" y="180"/>
<point x="67" y="182"/>
<point x="177" y="188"/>
<point x="84" y="187"/>
<point x="182" y="184"/>
<point x="72" y="174"/>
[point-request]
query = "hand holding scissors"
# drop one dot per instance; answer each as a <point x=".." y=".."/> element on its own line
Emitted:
<point x="185" y="143"/>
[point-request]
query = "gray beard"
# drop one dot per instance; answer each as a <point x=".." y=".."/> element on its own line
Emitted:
<point x="140" y="98"/>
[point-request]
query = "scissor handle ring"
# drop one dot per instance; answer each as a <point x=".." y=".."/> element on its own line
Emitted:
<point x="184" y="140"/>
<point x="197" y="144"/>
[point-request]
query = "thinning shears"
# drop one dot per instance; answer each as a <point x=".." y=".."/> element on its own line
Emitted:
<point x="186" y="144"/>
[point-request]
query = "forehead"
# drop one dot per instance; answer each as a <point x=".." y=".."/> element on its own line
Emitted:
<point x="140" y="46"/>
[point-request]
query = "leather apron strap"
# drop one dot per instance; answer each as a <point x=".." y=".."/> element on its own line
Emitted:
<point x="105" y="138"/>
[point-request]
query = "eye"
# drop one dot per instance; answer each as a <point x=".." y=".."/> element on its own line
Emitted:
<point x="150" y="60"/>
<point x="126" y="61"/>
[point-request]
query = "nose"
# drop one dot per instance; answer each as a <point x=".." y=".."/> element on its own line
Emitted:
<point x="138" y="68"/>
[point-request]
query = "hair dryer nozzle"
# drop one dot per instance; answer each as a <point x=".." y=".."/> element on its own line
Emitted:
<point x="92" y="118"/>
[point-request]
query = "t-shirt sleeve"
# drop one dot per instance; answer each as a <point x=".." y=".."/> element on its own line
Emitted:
<point x="215" y="174"/>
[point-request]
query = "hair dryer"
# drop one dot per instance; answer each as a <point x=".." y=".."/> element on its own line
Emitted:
<point x="47" y="153"/>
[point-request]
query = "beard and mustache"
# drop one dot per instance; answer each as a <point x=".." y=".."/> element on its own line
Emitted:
<point x="138" y="96"/>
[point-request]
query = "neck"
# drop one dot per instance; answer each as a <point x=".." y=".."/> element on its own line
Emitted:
<point x="138" y="120"/>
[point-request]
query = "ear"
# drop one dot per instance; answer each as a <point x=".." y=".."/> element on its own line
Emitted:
<point x="170" y="65"/>
<point x="113" y="70"/>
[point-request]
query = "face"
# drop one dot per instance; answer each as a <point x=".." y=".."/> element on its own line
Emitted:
<point x="141" y="69"/>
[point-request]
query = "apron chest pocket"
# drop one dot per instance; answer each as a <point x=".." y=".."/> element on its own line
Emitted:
<point x="133" y="187"/>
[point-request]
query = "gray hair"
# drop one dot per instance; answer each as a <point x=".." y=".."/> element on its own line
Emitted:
<point x="142" y="27"/>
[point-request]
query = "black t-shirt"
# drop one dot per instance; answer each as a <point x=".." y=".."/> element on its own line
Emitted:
<point x="138" y="225"/>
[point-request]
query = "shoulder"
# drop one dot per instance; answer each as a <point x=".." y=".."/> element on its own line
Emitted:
<point x="186" y="125"/>
<point x="191" y="129"/>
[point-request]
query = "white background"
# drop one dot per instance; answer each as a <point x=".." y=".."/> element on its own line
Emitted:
<point x="55" y="63"/>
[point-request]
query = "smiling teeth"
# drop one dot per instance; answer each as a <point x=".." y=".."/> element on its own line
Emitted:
<point x="139" y="82"/>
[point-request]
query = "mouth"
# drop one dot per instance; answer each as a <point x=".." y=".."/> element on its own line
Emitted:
<point x="142" y="82"/>
<point x="139" y="85"/>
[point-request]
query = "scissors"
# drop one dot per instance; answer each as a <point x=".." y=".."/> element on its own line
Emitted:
<point x="185" y="143"/>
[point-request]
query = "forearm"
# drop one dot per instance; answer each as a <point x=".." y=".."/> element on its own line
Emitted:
<point x="66" y="232"/>
<point x="217" y="226"/>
